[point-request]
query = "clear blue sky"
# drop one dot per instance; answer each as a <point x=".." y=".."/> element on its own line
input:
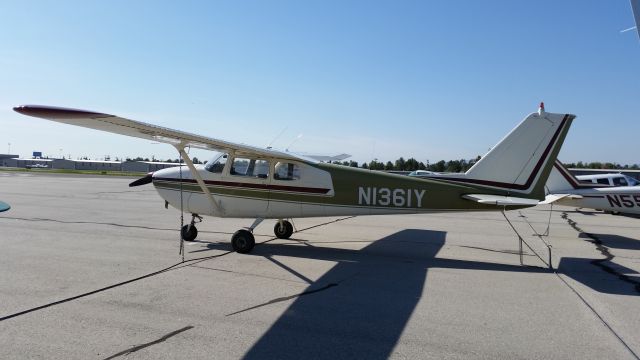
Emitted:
<point x="377" y="79"/>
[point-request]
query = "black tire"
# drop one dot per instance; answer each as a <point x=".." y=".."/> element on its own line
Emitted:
<point x="284" y="231"/>
<point x="243" y="241"/>
<point x="189" y="234"/>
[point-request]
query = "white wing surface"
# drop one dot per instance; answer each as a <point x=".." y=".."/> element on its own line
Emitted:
<point x="329" y="158"/>
<point x="118" y="125"/>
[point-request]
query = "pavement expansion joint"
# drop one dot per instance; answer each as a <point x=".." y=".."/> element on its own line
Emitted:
<point x="605" y="251"/>
<point x="142" y="346"/>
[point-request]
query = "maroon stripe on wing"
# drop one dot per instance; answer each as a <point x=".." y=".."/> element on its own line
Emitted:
<point x="53" y="112"/>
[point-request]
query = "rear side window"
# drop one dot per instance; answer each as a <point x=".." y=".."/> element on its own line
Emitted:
<point x="603" y="181"/>
<point x="286" y="171"/>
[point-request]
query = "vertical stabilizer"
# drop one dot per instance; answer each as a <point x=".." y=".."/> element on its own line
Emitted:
<point x="521" y="162"/>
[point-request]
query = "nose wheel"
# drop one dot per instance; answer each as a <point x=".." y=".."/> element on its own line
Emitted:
<point x="283" y="229"/>
<point x="190" y="232"/>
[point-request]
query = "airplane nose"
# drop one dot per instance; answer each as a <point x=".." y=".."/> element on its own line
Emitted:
<point x="143" y="180"/>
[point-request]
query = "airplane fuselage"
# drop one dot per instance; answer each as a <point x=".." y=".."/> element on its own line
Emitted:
<point x="613" y="199"/>
<point x="328" y="190"/>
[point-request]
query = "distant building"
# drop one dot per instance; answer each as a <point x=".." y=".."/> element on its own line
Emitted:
<point x="97" y="165"/>
<point x="64" y="164"/>
<point x="145" y="166"/>
<point x="28" y="163"/>
<point x="5" y="157"/>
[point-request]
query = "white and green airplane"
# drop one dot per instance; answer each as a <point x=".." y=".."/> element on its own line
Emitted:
<point x="249" y="182"/>
<point x="565" y="189"/>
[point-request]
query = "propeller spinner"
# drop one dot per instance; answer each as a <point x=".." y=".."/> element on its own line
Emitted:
<point x="143" y="180"/>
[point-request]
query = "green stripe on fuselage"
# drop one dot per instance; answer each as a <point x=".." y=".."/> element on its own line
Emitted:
<point x="437" y="195"/>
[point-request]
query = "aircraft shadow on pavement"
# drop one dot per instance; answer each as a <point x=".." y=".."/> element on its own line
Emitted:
<point x="591" y="212"/>
<point x="633" y="216"/>
<point x="613" y="241"/>
<point x="360" y="307"/>
<point x="601" y="275"/>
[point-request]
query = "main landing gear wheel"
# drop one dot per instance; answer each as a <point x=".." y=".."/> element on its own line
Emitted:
<point x="189" y="232"/>
<point x="284" y="231"/>
<point x="243" y="241"/>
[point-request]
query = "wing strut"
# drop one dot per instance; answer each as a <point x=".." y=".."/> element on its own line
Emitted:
<point x="196" y="175"/>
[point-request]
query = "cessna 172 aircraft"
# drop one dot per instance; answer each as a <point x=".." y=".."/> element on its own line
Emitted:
<point x="4" y="206"/>
<point x="563" y="188"/>
<point x="248" y="182"/>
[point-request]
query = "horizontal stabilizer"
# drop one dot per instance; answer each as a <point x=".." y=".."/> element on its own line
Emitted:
<point x="500" y="200"/>
<point x="551" y="198"/>
<point x="521" y="162"/>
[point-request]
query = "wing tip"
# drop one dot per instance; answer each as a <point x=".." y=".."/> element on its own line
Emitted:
<point x="54" y="112"/>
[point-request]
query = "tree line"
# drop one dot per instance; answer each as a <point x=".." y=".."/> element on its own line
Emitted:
<point x="463" y="165"/>
<point x="412" y="164"/>
<point x="601" y="165"/>
<point x="195" y="160"/>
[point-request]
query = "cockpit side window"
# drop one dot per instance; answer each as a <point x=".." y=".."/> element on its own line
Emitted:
<point x="286" y="171"/>
<point x="250" y="167"/>
<point x="216" y="165"/>
<point x="620" y="181"/>
<point x="604" y="181"/>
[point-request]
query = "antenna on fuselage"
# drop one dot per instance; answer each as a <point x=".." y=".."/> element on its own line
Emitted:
<point x="294" y="141"/>
<point x="276" y="138"/>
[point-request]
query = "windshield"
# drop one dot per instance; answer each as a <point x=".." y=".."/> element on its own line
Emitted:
<point x="632" y="181"/>
<point x="217" y="162"/>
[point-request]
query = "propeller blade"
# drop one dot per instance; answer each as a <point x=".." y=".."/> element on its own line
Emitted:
<point x="143" y="180"/>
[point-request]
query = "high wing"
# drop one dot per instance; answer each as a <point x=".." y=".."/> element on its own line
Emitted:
<point x="327" y="158"/>
<point x="635" y="9"/>
<point x="122" y="126"/>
